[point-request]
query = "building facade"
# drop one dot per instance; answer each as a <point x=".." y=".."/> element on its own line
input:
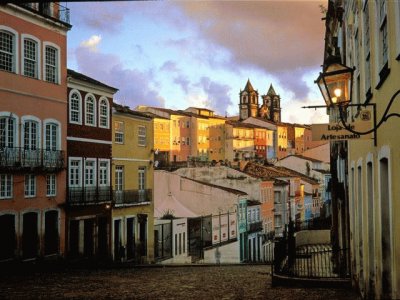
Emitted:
<point x="89" y="192"/>
<point x="132" y="229"/>
<point x="366" y="35"/>
<point x="33" y="75"/>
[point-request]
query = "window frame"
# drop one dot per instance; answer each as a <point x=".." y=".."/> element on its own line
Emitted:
<point x="34" y="39"/>
<point x="57" y="65"/>
<point x="27" y="119"/>
<point x="79" y="171"/>
<point x="94" y="169"/>
<point x="8" y="181"/>
<point x="120" y="132"/>
<point x="15" y="55"/>
<point x="142" y="136"/>
<point x="107" y="171"/>
<point x="29" y="184"/>
<point x="7" y="115"/>
<point x="101" y="101"/>
<point x="119" y="185"/>
<point x="51" y="180"/>
<point x="47" y="122"/>
<point x="71" y="93"/>
<point x="89" y="96"/>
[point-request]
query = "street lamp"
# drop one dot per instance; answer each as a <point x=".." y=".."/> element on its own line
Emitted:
<point x="335" y="85"/>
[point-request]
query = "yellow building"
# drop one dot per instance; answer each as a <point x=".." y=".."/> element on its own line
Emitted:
<point x="282" y="144"/>
<point x="208" y="131"/>
<point x="369" y="40"/>
<point x="239" y="141"/>
<point x="132" y="230"/>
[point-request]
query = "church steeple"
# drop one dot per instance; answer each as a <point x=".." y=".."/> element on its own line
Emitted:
<point x="271" y="107"/>
<point x="248" y="105"/>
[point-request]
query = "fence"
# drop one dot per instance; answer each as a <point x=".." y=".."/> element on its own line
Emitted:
<point x="311" y="261"/>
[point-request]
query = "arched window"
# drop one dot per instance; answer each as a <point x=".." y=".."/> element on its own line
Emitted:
<point x="8" y="49"/>
<point x="31" y="57"/>
<point x="75" y="107"/>
<point x="8" y="131"/>
<point x="103" y="113"/>
<point x="90" y="110"/>
<point x="31" y="134"/>
<point x="52" y="136"/>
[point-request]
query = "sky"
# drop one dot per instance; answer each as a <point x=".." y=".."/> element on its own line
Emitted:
<point x="177" y="54"/>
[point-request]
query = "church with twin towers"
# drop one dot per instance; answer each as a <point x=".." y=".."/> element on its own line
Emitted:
<point x="249" y="106"/>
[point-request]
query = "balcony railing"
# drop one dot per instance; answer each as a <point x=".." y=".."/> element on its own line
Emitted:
<point x="127" y="197"/>
<point x="89" y="195"/>
<point x="14" y="159"/>
<point x="53" y="10"/>
<point x="253" y="227"/>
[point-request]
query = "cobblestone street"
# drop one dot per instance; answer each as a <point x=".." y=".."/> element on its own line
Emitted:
<point x="215" y="282"/>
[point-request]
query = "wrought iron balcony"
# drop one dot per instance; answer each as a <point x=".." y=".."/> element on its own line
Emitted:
<point x="49" y="9"/>
<point x="89" y="195"/>
<point x="127" y="197"/>
<point x="255" y="226"/>
<point x="21" y="159"/>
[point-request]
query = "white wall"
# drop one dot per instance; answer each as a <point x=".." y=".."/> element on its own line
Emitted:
<point x="225" y="254"/>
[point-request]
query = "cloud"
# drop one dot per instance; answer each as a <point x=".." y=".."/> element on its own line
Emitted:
<point x="169" y="66"/>
<point x="273" y="36"/>
<point x="92" y="43"/>
<point x="135" y="87"/>
<point x="217" y="95"/>
<point x="183" y="82"/>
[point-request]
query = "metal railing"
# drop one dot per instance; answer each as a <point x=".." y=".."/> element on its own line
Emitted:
<point x="314" y="261"/>
<point x="49" y="9"/>
<point x="132" y="196"/>
<point x="89" y="195"/>
<point x="17" y="158"/>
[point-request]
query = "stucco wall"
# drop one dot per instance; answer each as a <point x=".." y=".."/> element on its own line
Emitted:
<point x="312" y="237"/>
<point x="226" y="254"/>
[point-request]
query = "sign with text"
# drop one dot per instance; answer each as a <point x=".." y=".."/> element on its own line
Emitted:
<point x="337" y="132"/>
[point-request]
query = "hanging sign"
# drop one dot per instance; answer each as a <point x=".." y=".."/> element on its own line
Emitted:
<point x="336" y="131"/>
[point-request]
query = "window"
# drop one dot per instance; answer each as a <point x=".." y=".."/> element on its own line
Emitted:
<point x="31" y="135"/>
<point x="103" y="113"/>
<point x="30" y="58"/>
<point x="119" y="132"/>
<point x="187" y="124"/>
<point x="90" y="108"/>
<point x="30" y="185"/>
<point x="119" y="178"/>
<point x="383" y="32"/>
<point x="51" y="64"/>
<point x="142" y="178"/>
<point x="90" y="174"/>
<point x="188" y="141"/>
<point x="51" y="136"/>
<point x="75" y="107"/>
<point x="7" y="132"/>
<point x="142" y="136"/>
<point x="6" y="185"/>
<point x="8" y="51"/>
<point x="103" y="173"/>
<point x="75" y="172"/>
<point x="51" y="185"/>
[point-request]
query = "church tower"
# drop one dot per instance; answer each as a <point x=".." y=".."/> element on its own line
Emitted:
<point x="271" y="107"/>
<point x="248" y="106"/>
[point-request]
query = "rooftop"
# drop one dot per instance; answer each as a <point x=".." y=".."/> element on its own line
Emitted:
<point x="85" y="78"/>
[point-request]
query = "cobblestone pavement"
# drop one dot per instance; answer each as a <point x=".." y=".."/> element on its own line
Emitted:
<point x="214" y="282"/>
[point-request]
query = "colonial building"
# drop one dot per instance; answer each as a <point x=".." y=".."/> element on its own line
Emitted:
<point x="89" y="192"/>
<point x="132" y="233"/>
<point x="366" y="35"/>
<point x="33" y="129"/>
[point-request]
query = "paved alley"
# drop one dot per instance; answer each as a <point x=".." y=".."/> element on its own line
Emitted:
<point x="214" y="282"/>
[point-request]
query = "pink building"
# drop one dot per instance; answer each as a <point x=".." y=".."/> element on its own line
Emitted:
<point x="33" y="118"/>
